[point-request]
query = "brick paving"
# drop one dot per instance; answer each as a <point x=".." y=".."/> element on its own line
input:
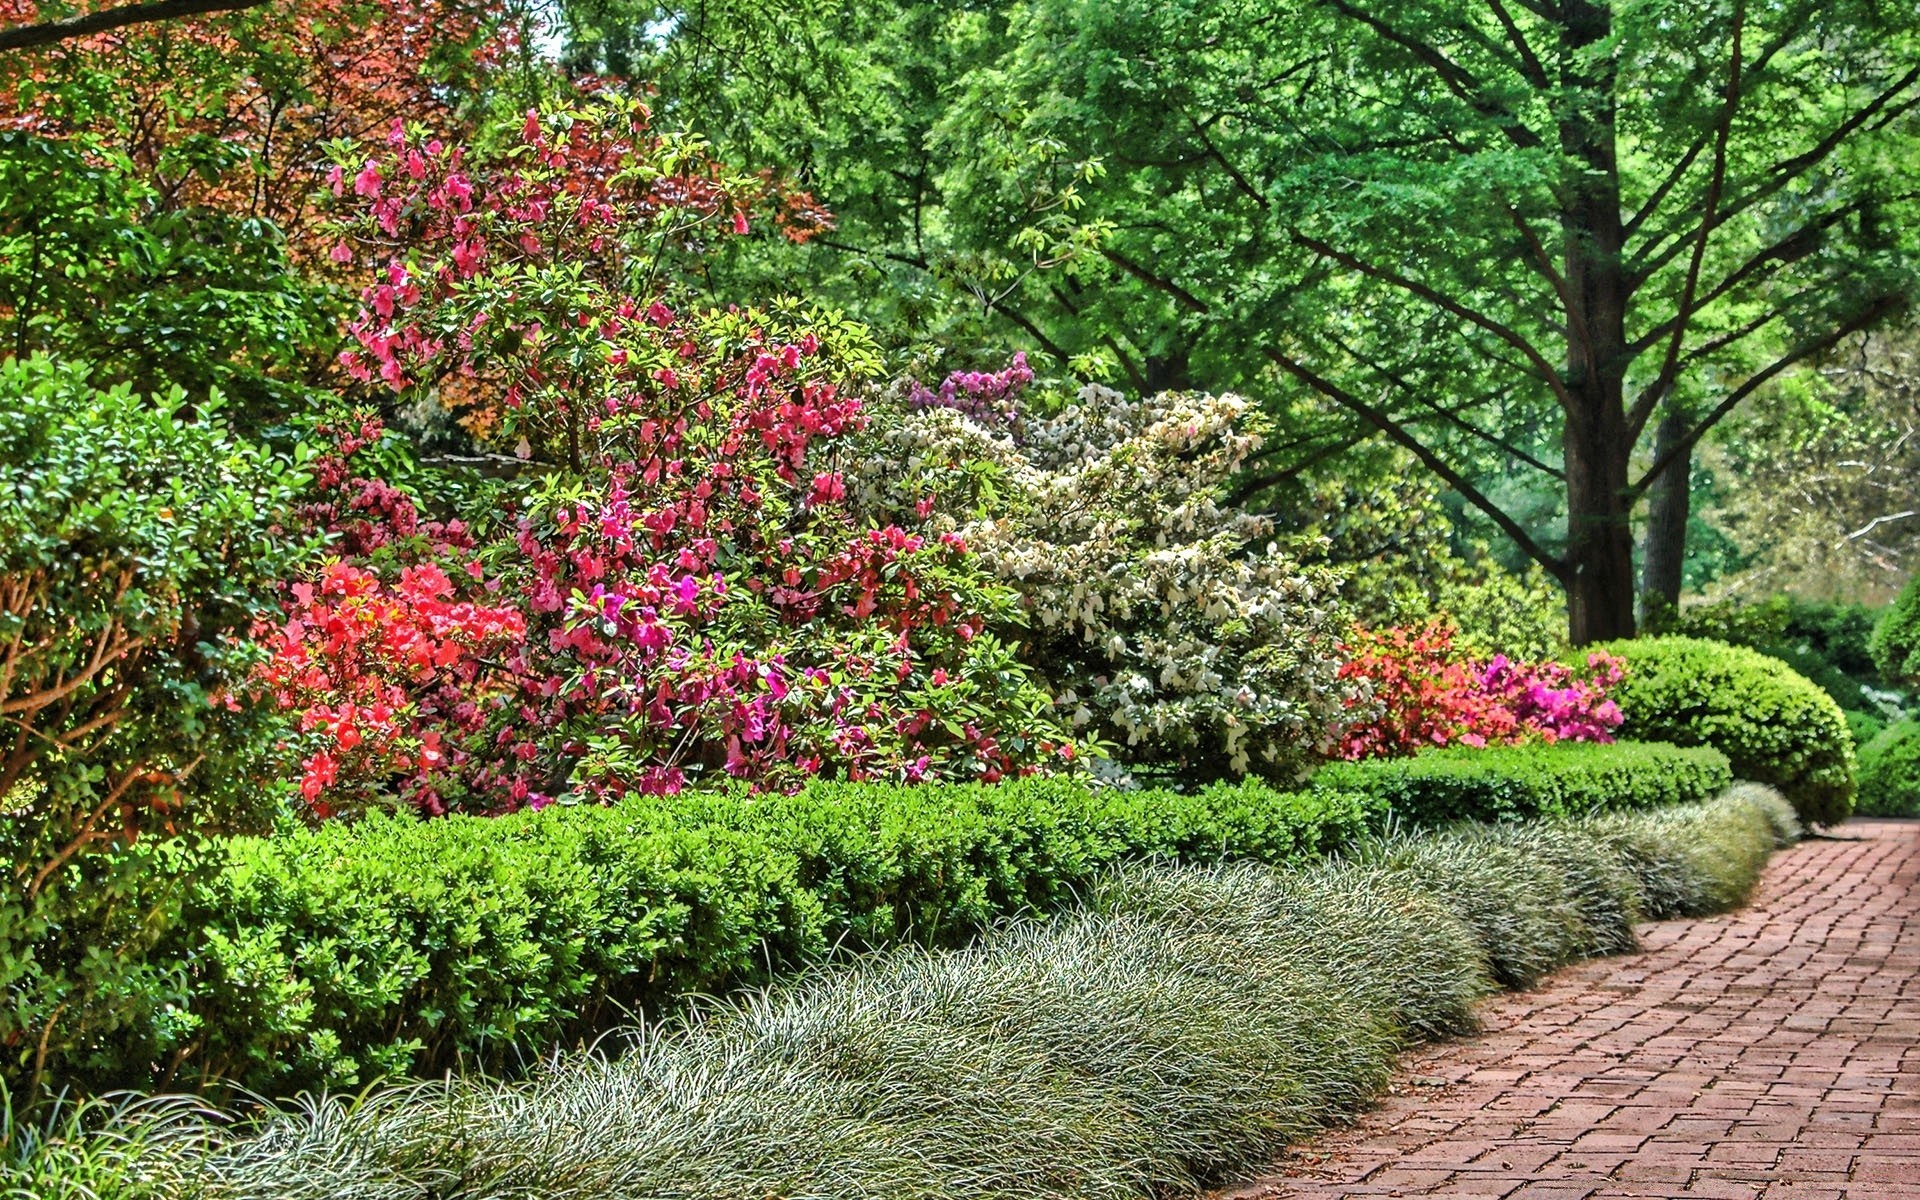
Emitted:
<point x="1773" y="1052"/>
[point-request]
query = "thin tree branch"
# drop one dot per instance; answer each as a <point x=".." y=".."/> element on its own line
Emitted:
<point x="1187" y="299"/>
<point x="1529" y="61"/>
<point x="1649" y="400"/>
<point x="1787" y="170"/>
<point x="1397" y="432"/>
<point x="1448" y="416"/>
<point x="1503" y="332"/>
<point x="1460" y="81"/>
<point x="45" y="33"/>
<point x="1864" y="319"/>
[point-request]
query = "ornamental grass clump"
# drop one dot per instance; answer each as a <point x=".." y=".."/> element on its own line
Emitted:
<point x="1187" y="1023"/>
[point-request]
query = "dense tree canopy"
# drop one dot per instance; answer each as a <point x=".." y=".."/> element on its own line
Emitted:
<point x="1514" y="238"/>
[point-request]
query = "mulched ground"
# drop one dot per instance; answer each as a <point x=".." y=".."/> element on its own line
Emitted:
<point x="1773" y="1052"/>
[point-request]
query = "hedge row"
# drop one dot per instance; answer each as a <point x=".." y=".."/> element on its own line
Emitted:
<point x="398" y="946"/>
<point x="333" y="957"/>
<point x="1530" y="781"/>
<point x="1188" y="1023"/>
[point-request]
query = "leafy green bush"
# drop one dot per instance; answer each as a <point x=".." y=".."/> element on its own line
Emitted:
<point x="1896" y="639"/>
<point x="340" y="954"/>
<point x="1890" y="772"/>
<point x="137" y="547"/>
<point x="1187" y="1025"/>
<point x="1502" y="783"/>
<point x="1773" y="725"/>
<point x="1864" y="727"/>
<point x="1830" y="644"/>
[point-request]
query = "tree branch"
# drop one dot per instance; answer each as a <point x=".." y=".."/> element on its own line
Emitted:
<point x="1503" y="332"/>
<point x="45" y="33"/>
<point x="1864" y="319"/>
<point x="1648" y="400"/>
<point x="1397" y="432"/>
<point x="1460" y="81"/>
<point x="1421" y="396"/>
<point x="1787" y="170"/>
<point x="1529" y="61"/>
<point x="1187" y="299"/>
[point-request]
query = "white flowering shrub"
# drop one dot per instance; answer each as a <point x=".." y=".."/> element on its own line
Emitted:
<point x="1175" y="628"/>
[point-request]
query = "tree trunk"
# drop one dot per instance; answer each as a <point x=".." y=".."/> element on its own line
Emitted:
<point x="1595" y="447"/>
<point x="1668" y="504"/>
<point x="1599" y="580"/>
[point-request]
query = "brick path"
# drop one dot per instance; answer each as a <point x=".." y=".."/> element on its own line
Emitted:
<point x="1773" y="1052"/>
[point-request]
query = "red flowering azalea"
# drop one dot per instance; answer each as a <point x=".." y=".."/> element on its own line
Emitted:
<point x="1425" y="692"/>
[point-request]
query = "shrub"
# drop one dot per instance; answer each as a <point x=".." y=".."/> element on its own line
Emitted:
<point x="1773" y="725"/>
<point x="1183" y="630"/>
<point x="1530" y="780"/>
<point x="1890" y="772"/>
<point x="135" y="550"/>
<point x="1863" y="727"/>
<point x="1190" y="1024"/>
<point x="1830" y="644"/>
<point x="334" y="956"/>
<point x="1421" y="691"/>
<point x="1896" y="638"/>
<point x="689" y="596"/>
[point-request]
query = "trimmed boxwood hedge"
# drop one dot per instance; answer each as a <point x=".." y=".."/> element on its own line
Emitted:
<point x="1506" y="783"/>
<point x="1774" y="726"/>
<point x="395" y="945"/>
<point x="1184" y="1026"/>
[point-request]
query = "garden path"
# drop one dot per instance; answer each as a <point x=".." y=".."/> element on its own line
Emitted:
<point x="1772" y="1052"/>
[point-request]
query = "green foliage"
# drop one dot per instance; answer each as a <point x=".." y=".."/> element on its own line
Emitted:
<point x="1830" y="644"/>
<point x="137" y="545"/>
<point x="1505" y="783"/>
<point x="1105" y="180"/>
<point x="345" y="953"/>
<point x="1774" y="726"/>
<point x="1896" y="639"/>
<point x="1890" y="772"/>
<point x="95" y="266"/>
<point x="1187" y="1025"/>
<point x="1407" y="558"/>
<point x="1863" y="727"/>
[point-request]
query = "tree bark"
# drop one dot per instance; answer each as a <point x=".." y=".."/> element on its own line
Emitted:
<point x="1596" y="447"/>
<point x="1669" y="503"/>
<point x="1599" y="580"/>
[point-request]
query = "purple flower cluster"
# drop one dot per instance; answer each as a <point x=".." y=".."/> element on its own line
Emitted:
<point x="989" y="397"/>
<point x="1551" y="699"/>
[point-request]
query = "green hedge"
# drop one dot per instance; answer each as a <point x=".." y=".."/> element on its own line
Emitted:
<point x="396" y="945"/>
<point x="1506" y="783"/>
<point x="1774" y="726"/>
<point x="1890" y="772"/>
<point x="1185" y="1027"/>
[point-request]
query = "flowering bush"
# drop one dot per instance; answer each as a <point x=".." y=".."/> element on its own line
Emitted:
<point x="1423" y="691"/>
<point x="692" y="593"/>
<point x="1165" y="620"/>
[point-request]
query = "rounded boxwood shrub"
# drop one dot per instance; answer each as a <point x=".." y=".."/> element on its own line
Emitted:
<point x="1774" y="726"/>
<point x="1896" y="639"/>
<point x="1890" y="772"/>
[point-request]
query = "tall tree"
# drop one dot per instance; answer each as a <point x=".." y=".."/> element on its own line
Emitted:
<point x="1512" y="236"/>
